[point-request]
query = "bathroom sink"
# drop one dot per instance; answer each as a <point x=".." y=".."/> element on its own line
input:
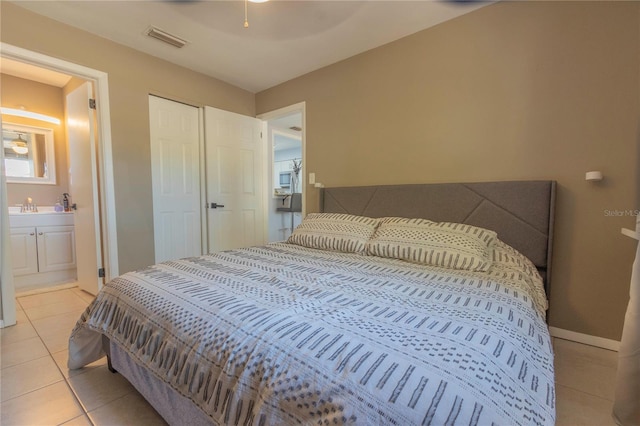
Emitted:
<point x="45" y="216"/>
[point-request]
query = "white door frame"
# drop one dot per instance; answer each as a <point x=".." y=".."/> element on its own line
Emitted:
<point x="271" y="115"/>
<point x="105" y="158"/>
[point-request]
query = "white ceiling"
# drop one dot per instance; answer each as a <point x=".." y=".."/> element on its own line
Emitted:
<point x="285" y="39"/>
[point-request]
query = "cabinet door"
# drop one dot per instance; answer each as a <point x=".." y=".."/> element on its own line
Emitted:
<point x="24" y="251"/>
<point x="56" y="248"/>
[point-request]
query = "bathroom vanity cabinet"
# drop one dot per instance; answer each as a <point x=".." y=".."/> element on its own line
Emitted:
<point x="43" y="249"/>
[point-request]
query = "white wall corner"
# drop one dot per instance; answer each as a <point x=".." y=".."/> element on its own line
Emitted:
<point x="600" y="342"/>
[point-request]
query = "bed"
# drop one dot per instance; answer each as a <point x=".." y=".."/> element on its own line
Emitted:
<point x="351" y="321"/>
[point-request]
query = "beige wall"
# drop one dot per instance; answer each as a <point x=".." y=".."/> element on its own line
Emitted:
<point x="515" y="90"/>
<point x="132" y="77"/>
<point x="44" y="99"/>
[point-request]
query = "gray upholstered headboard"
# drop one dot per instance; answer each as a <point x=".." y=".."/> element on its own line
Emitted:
<point x="521" y="212"/>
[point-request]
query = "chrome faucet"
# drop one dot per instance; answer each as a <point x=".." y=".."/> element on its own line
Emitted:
<point x="29" y="206"/>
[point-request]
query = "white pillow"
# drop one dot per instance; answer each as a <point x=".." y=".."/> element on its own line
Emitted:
<point x="334" y="231"/>
<point x="442" y="244"/>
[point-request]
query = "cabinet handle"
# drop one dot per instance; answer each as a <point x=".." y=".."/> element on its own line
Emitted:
<point x="39" y="233"/>
<point x="32" y="233"/>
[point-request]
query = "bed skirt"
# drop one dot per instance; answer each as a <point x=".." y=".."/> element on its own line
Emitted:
<point x="176" y="409"/>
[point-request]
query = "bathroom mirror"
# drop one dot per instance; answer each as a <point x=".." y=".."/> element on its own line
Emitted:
<point x="28" y="154"/>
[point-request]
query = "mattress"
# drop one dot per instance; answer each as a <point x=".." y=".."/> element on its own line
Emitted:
<point x="283" y="334"/>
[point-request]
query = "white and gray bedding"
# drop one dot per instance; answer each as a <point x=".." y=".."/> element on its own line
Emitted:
<point x="286" y="334"/>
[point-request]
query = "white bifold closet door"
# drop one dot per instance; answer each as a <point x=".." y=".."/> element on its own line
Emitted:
<point x="175" y="170"/>
<point x="224" y="178"/>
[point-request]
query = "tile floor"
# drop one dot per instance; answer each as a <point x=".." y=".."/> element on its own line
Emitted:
<point x="37" y="388"/>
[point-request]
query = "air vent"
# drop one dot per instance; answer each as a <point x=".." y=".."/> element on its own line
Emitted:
<point x="296" y="128"/>
<point x="165" y="37"/>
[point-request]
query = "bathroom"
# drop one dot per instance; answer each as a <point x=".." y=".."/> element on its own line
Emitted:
<point x="43" y="234"/>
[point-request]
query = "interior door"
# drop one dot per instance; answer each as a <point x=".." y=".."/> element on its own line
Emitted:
<point x="175" y="170"/>
<point x="83" y="187"/>
<point x="235" y="180"/>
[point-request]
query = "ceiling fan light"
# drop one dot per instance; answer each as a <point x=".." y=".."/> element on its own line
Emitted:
<point x="20" y="149"/>
<point x="19" y="145"/>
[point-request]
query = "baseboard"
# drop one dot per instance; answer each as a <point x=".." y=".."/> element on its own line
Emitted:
<point x="43" y="280"/>
<point x="586" y="339"/>
<point x="62" y="286"/>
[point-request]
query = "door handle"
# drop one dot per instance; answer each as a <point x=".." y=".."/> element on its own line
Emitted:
<point x="216" y="205"/>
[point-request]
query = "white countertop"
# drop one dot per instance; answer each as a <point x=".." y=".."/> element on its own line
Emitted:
<point x="45" y="216"/>
<point x="15" y="210"/>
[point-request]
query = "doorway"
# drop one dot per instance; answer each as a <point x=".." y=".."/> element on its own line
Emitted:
<point x="285" y="130"/>
<point x="103" y="173"/>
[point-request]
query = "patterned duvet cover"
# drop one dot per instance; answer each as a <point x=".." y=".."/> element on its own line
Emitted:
<point x="283" y="334"/>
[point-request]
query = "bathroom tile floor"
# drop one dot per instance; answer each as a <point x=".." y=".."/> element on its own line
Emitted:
<point x="36" y="388"/>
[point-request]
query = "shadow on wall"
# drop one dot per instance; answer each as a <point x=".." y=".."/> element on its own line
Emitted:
<point x="636" y="174"/>
<point x="562" y="253"/>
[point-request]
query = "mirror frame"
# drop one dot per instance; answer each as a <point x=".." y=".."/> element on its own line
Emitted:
<point x="49" y="150"/>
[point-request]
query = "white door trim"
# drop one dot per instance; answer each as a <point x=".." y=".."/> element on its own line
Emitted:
<point x="204" y="238"/>
<point x="106" y="181"/>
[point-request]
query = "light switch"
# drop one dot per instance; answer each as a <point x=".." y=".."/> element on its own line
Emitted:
<point x="312" y="178"/>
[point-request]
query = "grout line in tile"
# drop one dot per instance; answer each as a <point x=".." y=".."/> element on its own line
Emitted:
<point x="112" y="401"/>
<point x="73" y="393"/>
<point x="64" y="378"/>
<point x="33" y="390"/>
<point x="30" y="360"/>
<point x="75" y="397"/>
